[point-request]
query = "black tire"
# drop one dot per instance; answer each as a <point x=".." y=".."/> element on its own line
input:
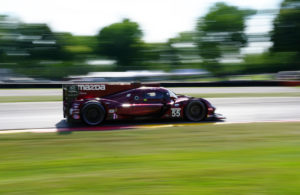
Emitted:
<point x="92" y="113"/>
<point x="70" y="120"/>
<point x="195" y="111"/>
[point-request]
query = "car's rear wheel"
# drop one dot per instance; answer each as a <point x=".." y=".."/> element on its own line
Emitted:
<point x="92" y="113"/>
<point x="195" y="111"/>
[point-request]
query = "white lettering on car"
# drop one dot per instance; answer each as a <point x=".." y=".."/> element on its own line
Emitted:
<point x="91" y="87"/>
<point x="176" y="112"/>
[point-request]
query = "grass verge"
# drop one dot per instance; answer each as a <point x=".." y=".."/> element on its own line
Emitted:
<point x="260" y="158"/>
<point x="11" y="99"/>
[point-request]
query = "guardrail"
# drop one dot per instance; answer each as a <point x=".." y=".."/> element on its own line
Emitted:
<point x="167" y="84"/>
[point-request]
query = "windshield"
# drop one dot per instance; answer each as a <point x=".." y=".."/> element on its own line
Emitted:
<point x="172" y="94"/>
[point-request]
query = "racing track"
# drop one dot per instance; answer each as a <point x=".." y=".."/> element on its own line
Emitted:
<point x="49" y="114"/>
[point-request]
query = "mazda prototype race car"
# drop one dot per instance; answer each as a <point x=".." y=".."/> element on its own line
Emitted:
<point x="95" y="103"/>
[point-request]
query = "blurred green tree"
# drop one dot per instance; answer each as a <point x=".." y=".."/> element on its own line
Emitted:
<point x="220" y="32"/>
<point x="8" y="36"/>
<point x="172" y="54"/>
<point x="121" y="42"/>
<point x="41" y="43"/>
<point x="34" y="50"/>
<point x="181" y="50"/>
<point x="286" y="33"/>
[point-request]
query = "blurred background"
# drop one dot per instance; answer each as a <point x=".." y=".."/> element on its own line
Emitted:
<point x="150" y="41"/>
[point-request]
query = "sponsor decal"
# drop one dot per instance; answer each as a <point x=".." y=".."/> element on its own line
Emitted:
<point x="176" y="112"/>
<point x="72" y="89"/>
<point x="111" y="111"/>
<point x="91" y="87"/>
<point x="115" y="116"/>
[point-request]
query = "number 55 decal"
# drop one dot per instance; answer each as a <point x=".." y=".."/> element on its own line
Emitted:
<point x="175" y="112"/>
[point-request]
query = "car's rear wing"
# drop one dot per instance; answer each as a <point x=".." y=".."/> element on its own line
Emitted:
<point x="77" y="91"/>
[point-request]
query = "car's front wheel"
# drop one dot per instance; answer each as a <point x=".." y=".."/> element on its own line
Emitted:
<point x="195" y="111"/>
<point x="92" y="113"/>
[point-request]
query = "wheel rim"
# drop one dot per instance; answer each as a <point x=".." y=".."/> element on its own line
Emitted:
<point x="93" y="115"/>
<point x="195" y="111"/>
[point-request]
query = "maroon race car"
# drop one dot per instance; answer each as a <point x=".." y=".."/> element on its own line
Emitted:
<point x="94" y="103"/>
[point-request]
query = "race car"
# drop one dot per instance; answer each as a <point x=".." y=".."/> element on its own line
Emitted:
<point x="94" y="103"/>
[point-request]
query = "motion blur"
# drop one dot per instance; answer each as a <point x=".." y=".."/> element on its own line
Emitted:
<point x="194" y="58"/>
<point x="228" y="42"/>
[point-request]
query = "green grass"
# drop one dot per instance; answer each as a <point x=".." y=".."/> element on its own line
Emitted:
<point x="261" y="158"/>
<point x="8" y="99"/>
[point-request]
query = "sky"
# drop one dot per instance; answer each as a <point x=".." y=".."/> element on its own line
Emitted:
<point x="159" y="19"/>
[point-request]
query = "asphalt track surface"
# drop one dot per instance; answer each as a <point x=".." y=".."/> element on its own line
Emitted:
<point x="41" y="115"/>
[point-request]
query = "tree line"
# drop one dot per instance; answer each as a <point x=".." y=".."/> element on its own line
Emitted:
<point x="35" y="50"/>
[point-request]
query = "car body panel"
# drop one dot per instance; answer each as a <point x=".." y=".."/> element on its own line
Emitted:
<point x="128" y="101"/>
